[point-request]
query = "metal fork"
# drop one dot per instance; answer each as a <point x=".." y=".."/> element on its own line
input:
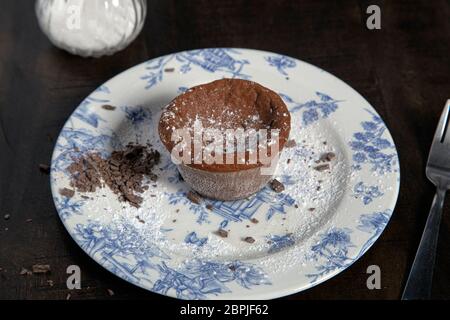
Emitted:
<point x="420" y="277"/>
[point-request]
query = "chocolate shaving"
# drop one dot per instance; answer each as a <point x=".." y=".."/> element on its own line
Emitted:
<point x="327" y="157"/>
<point x="108" y="107"/>
<point x="249" y="239"/>
<point x="276" y="186"/>
<point x="123" y="172"/>
<point x="139" y="219"/>
<point x="254" y="220"/>
<point x="40" y="268"/>
<point x="169" y="69"/>
<point x="290" y="144"/>
<point x="209" y="206"/>
<point x="69" y="193"/>
<point x="322" y="167"/>
<point x="25" y="272"/>
<point x="44" y="168"/>
<point x="222" y="233"/>
<point x="194" y="197"/>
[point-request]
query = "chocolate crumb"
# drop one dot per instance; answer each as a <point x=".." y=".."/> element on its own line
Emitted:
<point x="108" y="107"/>
<point x="40" y="268"/>
<point x="296" y="206"/>
<point x="49" y="137"/>
<point x="6" y="216"/>
<point x="139" y="219"/>
<point x="222" y="233"/>
<point x="209" y="206"/>
<point x="178" y="210"/>
<point x="232" y="267"/>
<point x="288" y="161"/>
<point x="322" y="167"/>
<point x="247" y="226"/>
<point x="44" y="168"/>
<point x="325" y="143"/>
<point x="276" y="186"/>
<point x="254" y="220"/>
<point x="194" y="197"/>
<point x="290" y="144"/>
<point x="249" y="239"/>
<point x="174" y="220"/>
<point x="326" y="157"/>
<point x="169" y="69"/>
<point x="318" y="188"/>
<point x="69" y="193"/>
<point x="25" y="272"/>
<point x="311" y="209"/>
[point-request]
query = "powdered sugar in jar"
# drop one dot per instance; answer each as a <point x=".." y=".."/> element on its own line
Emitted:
<point x="91" y="28"/>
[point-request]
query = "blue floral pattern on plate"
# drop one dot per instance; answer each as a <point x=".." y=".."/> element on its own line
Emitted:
<point x="371" y="147"/>
<point x="313" y="110"/>
<point x="331" y="252"/>
<point x="211" y="60"/>
<point x="366" y="193"/>
<point x="281" y="63"/>
<point x="198" y="279"/>
<point x="277" y="243"/>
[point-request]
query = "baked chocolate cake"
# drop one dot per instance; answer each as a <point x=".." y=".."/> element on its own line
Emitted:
<point x="224" y="105"/>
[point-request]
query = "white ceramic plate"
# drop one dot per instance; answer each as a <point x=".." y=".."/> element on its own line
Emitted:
<point x="320" y="225"/>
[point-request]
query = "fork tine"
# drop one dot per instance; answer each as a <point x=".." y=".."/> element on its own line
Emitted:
<point x="441" y="130"/>
<point x="439" y="156"/>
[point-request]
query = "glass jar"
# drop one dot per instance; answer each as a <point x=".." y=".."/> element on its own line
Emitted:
<point x="91" y="28"/>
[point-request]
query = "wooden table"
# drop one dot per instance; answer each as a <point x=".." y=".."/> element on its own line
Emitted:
<point x="402" y="69"/>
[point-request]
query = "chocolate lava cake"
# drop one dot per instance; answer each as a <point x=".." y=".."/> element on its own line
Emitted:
<point x="222" y="105"/>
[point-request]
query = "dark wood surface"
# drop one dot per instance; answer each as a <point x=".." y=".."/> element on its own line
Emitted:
<point x="403" y="70"/>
